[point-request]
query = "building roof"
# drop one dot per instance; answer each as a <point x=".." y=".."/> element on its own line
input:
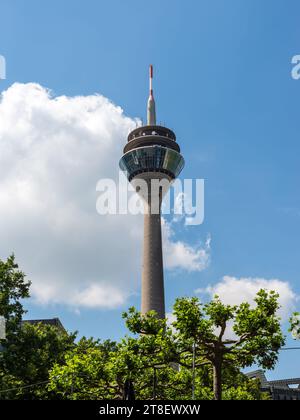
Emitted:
<point x="53" y="321"/>
<point x="278" y="384"/>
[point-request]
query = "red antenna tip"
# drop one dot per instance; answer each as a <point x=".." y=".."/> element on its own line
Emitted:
<point x="151" y="71"/>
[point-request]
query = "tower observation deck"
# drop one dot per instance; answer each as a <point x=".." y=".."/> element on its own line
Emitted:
<point x="152" y="153"/>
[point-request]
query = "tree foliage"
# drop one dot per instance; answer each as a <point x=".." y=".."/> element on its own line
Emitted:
<point x="201" y="354"/>
<point x="255" y="333"/>
<point x="13" y="288"/>
<point x="29" y="356"/>
<point x="295" y="325"/>
<point x="29" y="351"/>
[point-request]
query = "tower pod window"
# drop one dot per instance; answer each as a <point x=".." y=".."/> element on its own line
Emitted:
<point x="152" y="159"/>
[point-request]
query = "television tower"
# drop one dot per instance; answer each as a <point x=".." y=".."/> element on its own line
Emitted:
<point x="152" y="154"/>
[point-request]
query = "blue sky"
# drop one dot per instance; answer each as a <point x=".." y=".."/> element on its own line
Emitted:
<point x="222" y="82"/>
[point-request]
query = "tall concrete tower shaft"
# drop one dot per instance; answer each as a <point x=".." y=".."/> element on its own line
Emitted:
<point x="152" y="160"/>
<point x="153" y="294"/>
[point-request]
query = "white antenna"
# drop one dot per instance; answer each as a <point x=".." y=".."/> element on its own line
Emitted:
<point x="151" y="114"/>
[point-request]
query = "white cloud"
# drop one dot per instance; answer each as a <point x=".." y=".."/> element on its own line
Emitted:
<point x="234" y="291"/>
<point x="178" y="254"/>
<point x="295" y="324"/>
<point x="105" y="296"/>
<point x="170" y="316"/>
<point x="52" y="153"/>
<point x="53" y="150"/>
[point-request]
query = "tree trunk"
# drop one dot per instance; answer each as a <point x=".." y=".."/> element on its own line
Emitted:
<point x="217" y="379"/>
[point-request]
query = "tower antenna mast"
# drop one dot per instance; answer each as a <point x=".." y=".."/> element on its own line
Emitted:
<point x="151" y="113"/>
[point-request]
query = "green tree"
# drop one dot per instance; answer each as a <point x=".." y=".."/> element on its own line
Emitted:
<point x="295" y="325"/>
<point x="102" y="369"/>
<point x="29" y="356"/>
<point x="29" y="351"/>
<point x="157" y="359"/>
<point x="150" y="359"/>
<point x="160" y="350"/>
<point x="32" y="354"/>
<point x="87" y="372"/>
<point x="13" y="288"/>
<point x="256" y="337"/>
